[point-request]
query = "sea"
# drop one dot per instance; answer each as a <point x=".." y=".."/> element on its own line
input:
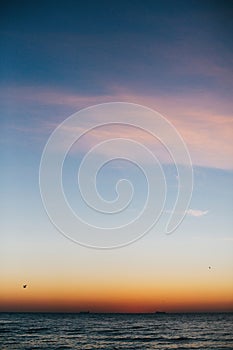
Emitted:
<point x="116" y="331"/>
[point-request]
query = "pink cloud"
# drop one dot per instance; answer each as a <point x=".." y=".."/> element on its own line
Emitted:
<point x="203" y="120"/>
<point x="196" y="212"/>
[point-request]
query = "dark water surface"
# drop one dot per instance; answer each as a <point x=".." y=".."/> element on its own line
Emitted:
<point x="116" y="331"/>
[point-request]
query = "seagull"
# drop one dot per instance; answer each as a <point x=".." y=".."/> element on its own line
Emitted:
<point x="24" y="286"/>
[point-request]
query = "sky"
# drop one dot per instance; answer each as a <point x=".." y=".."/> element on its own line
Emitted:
<point x="57" y="58"/>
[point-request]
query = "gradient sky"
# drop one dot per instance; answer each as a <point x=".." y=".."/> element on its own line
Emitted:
<point x="172" y="56"/>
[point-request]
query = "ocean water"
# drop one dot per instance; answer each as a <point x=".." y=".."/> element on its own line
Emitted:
<point x="116" y="331"/>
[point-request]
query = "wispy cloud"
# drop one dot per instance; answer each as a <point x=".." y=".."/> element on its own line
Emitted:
<point x="203" y="120"/>
<point x="197" y="212"/>
<point x="192" y="212"/>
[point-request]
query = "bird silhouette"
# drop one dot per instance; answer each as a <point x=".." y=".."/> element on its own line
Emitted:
<point x="25" y="286"/>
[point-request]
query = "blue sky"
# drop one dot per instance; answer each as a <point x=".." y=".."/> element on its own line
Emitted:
<point x="172" y="56"/>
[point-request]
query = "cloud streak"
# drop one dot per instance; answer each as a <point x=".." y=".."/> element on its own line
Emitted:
<point x="196" y="212"/>
<point x="203" y="120"/>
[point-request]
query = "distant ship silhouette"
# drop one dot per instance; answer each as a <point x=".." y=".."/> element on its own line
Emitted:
<point x="84" y="312"/>
<point x="160" y="312"/>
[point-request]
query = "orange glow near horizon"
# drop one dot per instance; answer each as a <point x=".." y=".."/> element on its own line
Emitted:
<point x="127" y="297"/>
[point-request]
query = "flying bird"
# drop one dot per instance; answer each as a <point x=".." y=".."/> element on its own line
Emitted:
<point x="25" y="286"/>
